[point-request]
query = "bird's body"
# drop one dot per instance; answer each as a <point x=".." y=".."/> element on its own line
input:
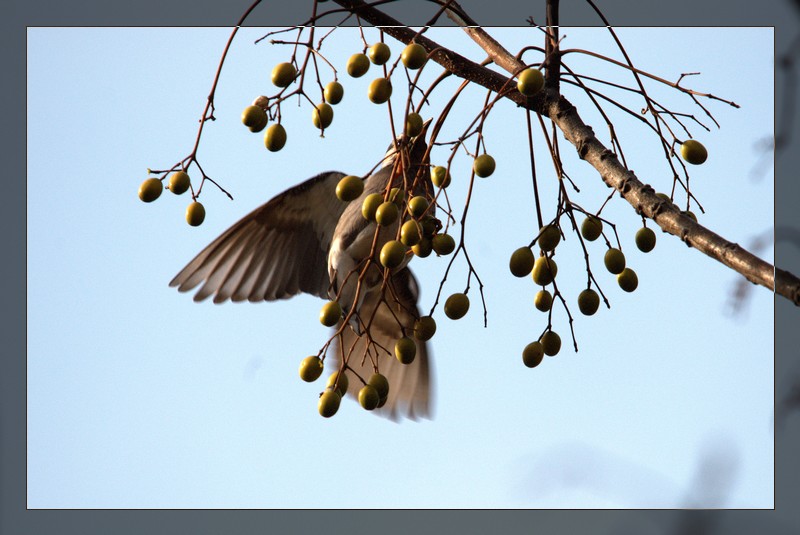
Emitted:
<point x="307" y="240"/>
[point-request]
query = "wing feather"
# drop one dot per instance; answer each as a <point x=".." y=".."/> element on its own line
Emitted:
<point x="278" y="250"/>
<point x="410" y="385"/>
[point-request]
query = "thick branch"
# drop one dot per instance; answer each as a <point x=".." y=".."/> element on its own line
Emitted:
<point x="644" y="199"/>
<point x="550" y="104"/>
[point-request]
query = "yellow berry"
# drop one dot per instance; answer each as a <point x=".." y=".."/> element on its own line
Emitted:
<point x="357" y="65"/>
<point x="379" y="53"/>
<point x="275" y="137"/>
<point x="195" y="214"/>
<point x="380" y="89"/>
<point x="254" y="118"/>
<point x="283" y="74"/>
<point x="333" y="93"/>
<point x="322" y="115"/>
<point x="150" y="190"/>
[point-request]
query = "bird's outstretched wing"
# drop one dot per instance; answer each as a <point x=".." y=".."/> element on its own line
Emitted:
<point x="278" y="250"/>
<point x="410" y="385"/>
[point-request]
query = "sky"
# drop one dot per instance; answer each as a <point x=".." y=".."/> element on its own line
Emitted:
<point x="140" y="398"/>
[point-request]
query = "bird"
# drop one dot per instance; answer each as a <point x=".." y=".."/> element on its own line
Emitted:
<point x="306" y="240"/>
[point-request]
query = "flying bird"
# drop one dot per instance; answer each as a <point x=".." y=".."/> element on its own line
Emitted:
<point x="306" y="240"/>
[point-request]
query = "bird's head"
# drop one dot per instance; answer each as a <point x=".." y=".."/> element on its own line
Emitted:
<point x="415" y="156"/>
<point x="415" y="146"/>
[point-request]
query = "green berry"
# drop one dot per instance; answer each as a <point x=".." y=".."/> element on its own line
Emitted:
<point x="588" y="302"/>
<point x="521" y="262"/>
<point x="414" y="56"/>
<point x="329" y="403"/>
<point x="330" y="314"/>
<point x="530" y="82"/>
<point x="443" y="244"/>
<point x="533" y="354"/>
<point x="340" y="380"/>
<point x="368" y="397"/>
<point x="349" y="188"/>
<point x="484" y="165"/>
<point x="549" y="236"/>
<point x="424" y="328"/>
<point x="693" y="152"/>
<point x="417" y="205"/>
<point x="645" y="239"/>
<point x="544" y="271"/>
<point x="410" y="233"/>
<point x="405" y="349"/>
<point x="614" y="260"/>
<point x="379" y="383"/>
<point x="440" y="176"/>
<point x="551" y="343"/>
<point x="386" y="213"/>
<point x="370" y="205"/>
<point x="628" y="280"/>
<point x="543" y="300"/>
<point x="392" y="254"/>
<point x="275" y="137"/>
<point x="423" y="249"/>
<point x="591" y="228"/>
<point x="311" y="369"/>
<point x="414" y="124"/>
<point x="456" y="306"/>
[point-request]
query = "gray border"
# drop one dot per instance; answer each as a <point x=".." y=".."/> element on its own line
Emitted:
<point x="14" y="519"/>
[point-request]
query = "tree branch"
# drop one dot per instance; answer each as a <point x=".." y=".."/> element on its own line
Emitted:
<point x="565" y="116"/>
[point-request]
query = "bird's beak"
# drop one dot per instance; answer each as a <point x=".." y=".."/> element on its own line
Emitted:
<point x="424" y="130"/>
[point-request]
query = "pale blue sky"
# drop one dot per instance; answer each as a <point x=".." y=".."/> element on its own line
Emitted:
<point x="138" y="397"/>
